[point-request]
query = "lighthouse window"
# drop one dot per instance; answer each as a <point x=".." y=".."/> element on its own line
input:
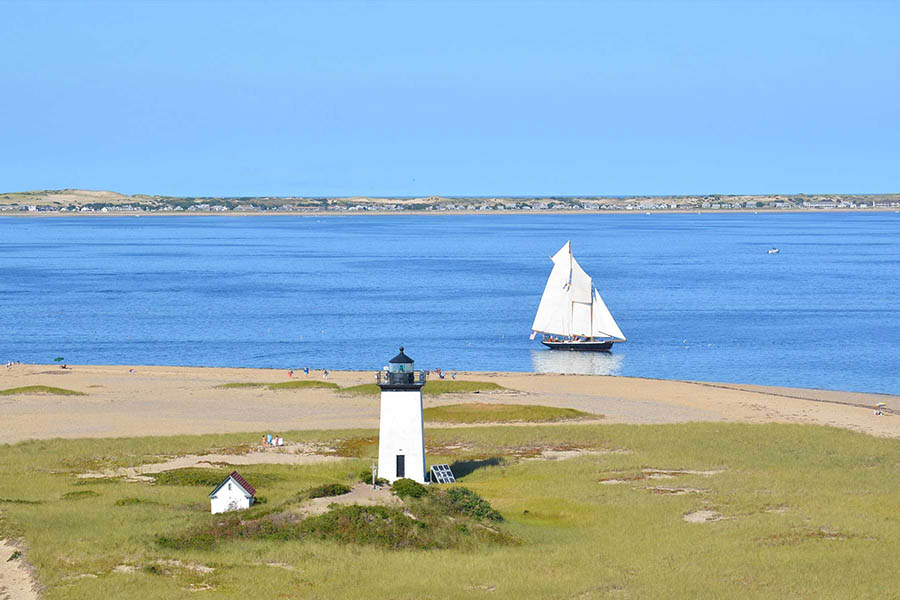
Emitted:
<point x="401" y="465"/>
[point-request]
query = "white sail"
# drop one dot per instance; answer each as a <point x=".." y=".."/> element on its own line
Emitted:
<point x="603" y="323"/>
<point x="581" y="319"/>
<point x="554" y="314"/>
<point x="581" y="286"/>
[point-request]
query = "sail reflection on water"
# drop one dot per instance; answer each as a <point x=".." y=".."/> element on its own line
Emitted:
<point x="577" y="363"/>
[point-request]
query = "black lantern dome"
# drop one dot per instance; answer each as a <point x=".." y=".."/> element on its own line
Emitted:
<point x="401" y="363"/>
<point x="400" y="374"/>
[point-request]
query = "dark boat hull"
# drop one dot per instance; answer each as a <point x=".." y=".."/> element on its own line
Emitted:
<point x="592" y="346"/>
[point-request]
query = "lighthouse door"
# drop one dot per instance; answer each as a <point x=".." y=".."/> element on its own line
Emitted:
<point x="401" y="465"/>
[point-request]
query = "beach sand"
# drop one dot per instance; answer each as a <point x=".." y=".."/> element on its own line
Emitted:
<point x="156" y="401"/>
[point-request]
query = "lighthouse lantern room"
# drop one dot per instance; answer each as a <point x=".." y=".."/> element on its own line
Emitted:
<point x="401" y="439"/>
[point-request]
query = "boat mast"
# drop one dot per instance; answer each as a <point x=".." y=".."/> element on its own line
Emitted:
<point x="571" y="301"/>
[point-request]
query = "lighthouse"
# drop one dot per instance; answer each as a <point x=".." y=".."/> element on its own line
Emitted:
<point x="401" y="438"/>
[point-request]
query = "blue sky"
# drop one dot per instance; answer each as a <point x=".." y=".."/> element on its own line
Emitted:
<point x="465" y="98"/>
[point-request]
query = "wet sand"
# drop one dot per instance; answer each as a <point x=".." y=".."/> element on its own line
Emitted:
<point x="185" y="400"/>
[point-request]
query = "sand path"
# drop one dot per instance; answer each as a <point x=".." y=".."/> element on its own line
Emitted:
<point x="16" y="582"/>
<point x="185" y="400"/>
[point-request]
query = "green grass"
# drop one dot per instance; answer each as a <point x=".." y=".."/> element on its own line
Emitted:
<point x="194" y="476"/>
<point x="434" y="388"/>
<point x="40" y="389"/>
<point x="502" y="413"/>
<point x="809" y="512"/>
<point x="284" y="385"/>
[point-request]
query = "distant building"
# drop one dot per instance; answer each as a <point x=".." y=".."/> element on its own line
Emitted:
<point x="234" y="493"/>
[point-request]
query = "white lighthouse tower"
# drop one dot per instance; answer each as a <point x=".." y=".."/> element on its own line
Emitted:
<point x="401" y="439"/>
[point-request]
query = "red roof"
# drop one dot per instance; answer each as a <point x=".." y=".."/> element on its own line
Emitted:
<point x="243" y="483"/>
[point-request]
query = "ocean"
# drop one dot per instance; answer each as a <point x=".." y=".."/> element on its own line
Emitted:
<point x="697" y="295"/>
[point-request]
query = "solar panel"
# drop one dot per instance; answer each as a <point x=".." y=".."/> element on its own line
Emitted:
<point x="442" y="474"/>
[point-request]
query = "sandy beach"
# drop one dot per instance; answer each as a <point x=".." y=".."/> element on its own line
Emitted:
<point x="158" y="401"/>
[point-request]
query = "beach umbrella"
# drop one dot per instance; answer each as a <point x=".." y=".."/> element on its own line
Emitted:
<point x="880" y="404"/>
<point x="58" y="359"/>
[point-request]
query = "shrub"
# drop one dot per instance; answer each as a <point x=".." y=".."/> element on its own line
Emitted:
<point x="469" y="503"/>
<point x="365" y="476"/>
<point x="407" y="488"/>
<point x="328" y="489"/>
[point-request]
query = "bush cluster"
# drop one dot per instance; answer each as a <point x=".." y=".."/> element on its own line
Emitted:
<point x="469" y="503"/>
<point x="365" y="476"/>
<point x="328" y="489"/>
<point x="407" y="488"/>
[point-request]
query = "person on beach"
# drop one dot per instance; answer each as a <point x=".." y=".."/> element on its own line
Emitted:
<point x="325" y="374"/>
<point x="453" y="375"/>
<point x="269" y="439"/>
<point x="291" y="373"/>
<point x="306" y="370"/>
<point x="264" y="440"/>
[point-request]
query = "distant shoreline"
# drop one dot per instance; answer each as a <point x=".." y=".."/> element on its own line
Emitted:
<point x="129" y="401"/>
<point x="436" y="213"/>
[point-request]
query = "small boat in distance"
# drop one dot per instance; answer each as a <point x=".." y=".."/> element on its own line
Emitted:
<point x="572" y="315"/>
<point x="773" y="251"/>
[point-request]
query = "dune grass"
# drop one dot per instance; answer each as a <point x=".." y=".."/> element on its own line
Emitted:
<point x="807" y="512"/>
<point x="284" y="385"/>
<point x="40" y="389"/>
<point x="503" y="413"/>
<point x="434" y="388"/>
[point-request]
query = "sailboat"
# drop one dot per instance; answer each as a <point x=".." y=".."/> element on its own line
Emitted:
<point x="572" y="315"/>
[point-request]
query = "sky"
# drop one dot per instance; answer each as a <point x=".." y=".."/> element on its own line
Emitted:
<point x="456" y="98"/>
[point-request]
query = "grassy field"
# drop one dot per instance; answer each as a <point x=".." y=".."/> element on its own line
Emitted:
<point x="40" y="389"/>
<point x="804" y="511"/>
<point x="477" y="412"/>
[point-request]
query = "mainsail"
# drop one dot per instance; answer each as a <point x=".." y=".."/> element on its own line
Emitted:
<point x="570" y="305"/>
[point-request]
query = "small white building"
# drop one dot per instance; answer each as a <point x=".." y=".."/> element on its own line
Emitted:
<point x="401" y="438"/>
<point x="234" y="493"/>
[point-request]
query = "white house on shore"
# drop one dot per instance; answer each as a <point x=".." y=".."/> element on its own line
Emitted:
<point x="234" y="493"/>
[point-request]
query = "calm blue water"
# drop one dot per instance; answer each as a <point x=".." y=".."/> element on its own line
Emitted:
<point x="697" y="295"/>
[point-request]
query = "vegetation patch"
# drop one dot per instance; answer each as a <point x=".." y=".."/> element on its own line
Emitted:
<point x="442" y="386"/>
<point x="327" y="490"/>
<point x="284" y="385"/>
<point x="208" y="477"/>
<point x="80" y="494"/>
<point x="467" y="502"/>
<point x="365" y="476"/>
<point x="135" y="501"/>
<point x="97" y="480"/>
<point x="356" y="447"/>
<point x="366" y="389"/>
<point x="40" y="389"/>
<point x="240" y="385"/>
<point x="434" y="388"/>
<point x="503" y="413"/>
<point x="407" y="488"/>
<point x="18" y="501"/>
<point x="435" y="525"/>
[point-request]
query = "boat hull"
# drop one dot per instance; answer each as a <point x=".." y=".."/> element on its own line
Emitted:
<point x="574" y="346"/>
